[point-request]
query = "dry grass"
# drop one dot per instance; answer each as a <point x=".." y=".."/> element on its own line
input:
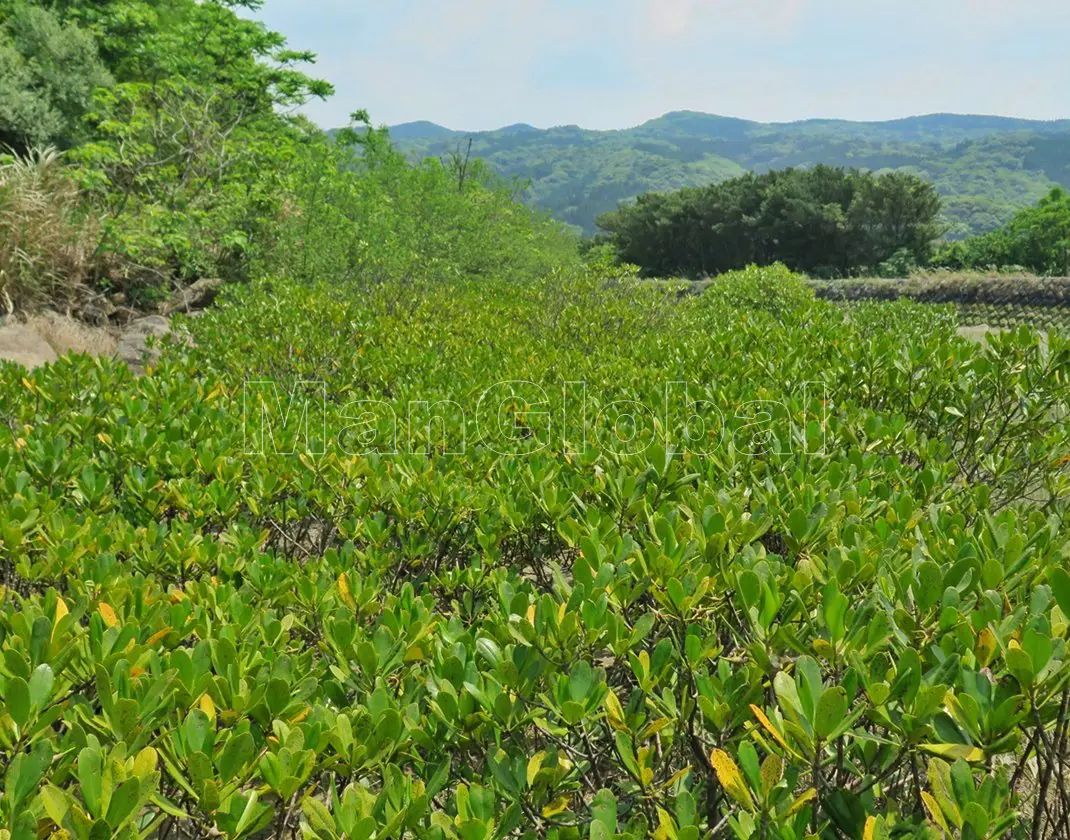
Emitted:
<point x="47" y="239"/>
<point x="65" y="335"/>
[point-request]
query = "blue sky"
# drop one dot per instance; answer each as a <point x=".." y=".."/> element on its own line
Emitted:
<point x="479" y="64"/>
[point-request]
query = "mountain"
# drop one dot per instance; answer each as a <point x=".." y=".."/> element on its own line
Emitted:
<point x="421" y="130"/>
<point x="985" y="167"/>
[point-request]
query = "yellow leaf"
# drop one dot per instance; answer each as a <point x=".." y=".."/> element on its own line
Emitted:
<point x="556" y="807"/>
<point x="145" y="763"/>
<point x="955" y="751"/>
<point x="870" y="828"/>
<point x="300" y="716"/>
<point x="158" y="636"/>
<point x="985" y="648"/>
<point x="646" y="771"/>
<point x="935" y="814"/>
<point x="823" y="649"/>
<point x="531" y="614"/>
<point x="771" y="773"/>
<point x="534" y="766"/>
<point x="653" y="728"/>
<point x="731" y="779"/>
<point x="343" y="589"/>
<point x="414" y="653"/>
<point x="207" y="706"/>
<point x="676" y="777"/>
<point x="767" y="725"/>
<point x="177" y="595"/>
<point x="614" y="711"/>
<point x="666" y="829"/>
<point x="108" y="614"/>
<point x="61" y="610"/>
<point x="798" y="804"/>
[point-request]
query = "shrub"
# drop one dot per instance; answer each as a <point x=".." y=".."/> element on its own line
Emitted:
<point x="774" y="289"/>
<point x="847" y="620"/>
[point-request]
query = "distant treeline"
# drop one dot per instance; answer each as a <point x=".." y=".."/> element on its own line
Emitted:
<point x="825" y="221"/>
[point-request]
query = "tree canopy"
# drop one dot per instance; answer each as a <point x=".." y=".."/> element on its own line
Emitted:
<point x="1036" y="238"/>
<point x="48" y="72"/>
<point x="824" y="221"/>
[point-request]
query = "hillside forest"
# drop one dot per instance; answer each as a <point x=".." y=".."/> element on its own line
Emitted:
<point x="437" y="525"/>
<point x="984" y="168"/>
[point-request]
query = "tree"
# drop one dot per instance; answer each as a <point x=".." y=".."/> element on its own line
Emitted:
<point x="1036" y="238"/>
<point x="825" y="221"/>
<point x="48" y="72"/>
<point x="1040" y="236"/>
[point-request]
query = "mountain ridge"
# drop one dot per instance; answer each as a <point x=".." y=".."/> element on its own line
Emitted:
<point x="413" y="128"/>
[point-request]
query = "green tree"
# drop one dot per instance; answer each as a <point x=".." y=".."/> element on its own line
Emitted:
<point x="825" y="221"/>
<point x="48" y="72"/>
<point x="1036" y="238"/>
<point x="1040" y="236"/>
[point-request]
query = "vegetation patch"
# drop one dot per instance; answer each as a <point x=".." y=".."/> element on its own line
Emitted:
<point x="263" y="591"/>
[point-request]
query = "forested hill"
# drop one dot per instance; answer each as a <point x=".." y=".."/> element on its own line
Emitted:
<point x="985" y="167"/>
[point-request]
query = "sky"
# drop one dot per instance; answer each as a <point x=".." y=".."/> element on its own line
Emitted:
<point x="482" y="64"/>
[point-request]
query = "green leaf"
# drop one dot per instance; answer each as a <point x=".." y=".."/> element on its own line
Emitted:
<point x="56" y="803"/>
<point x="278" y="696"/>
<point x="831" y="710"/>
<point x="40" y="686"/>
<point x="1059" y="580"/>
<point x="196" y="730"/>
<point x="89" y="778"/>
<point x="238" y="752"/>
<point x="17" y="700"/>
<point x="123" y="803"/>
<point x="604" y="813"/>
<point x="798" y="523"/>
<point x="580" y="681"/>
<point x="1020" y="665"/>
<point x="28" y="769"/>
<point x="490" y="651"/>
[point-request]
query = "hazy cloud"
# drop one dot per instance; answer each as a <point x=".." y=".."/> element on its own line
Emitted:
<point x="613" y="63"/>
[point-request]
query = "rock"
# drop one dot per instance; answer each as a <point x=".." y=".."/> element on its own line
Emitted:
<point x="97" y="311"/>
<point x="20" y="344"/>
<point x="133" y="343"/>
<point x="195" y="296"/>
